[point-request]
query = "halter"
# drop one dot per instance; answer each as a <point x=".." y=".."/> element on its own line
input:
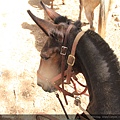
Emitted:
<point x="69" y="74"/>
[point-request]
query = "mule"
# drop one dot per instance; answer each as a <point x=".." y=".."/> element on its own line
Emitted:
<point x="106" y="7"/>
<point x="93" y="58"/>
<point x="50" y="2"/>
<point x="89" y="6"/>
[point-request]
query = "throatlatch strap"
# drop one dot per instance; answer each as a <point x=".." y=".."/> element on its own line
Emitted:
<point x="71" y="57"/>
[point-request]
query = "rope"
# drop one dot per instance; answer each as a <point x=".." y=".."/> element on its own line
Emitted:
<point x="78" y="103"/>
<point x="57" y="95"/>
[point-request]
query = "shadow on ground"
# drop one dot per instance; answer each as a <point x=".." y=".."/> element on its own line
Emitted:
<point x="40" y="37"/>
<point x="35" y="4"/>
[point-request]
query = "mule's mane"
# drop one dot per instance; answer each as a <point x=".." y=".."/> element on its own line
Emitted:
<point x="101" y="70"/>
<point x="63" y="19"/>
<point x="105" y="51"/>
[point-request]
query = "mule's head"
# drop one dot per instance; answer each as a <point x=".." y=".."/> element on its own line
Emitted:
<point x="50" y="64"/>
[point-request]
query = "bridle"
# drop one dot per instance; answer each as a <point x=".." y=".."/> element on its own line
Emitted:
<point x="69" y="73"/>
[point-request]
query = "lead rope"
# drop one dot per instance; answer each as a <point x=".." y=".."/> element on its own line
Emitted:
<point x="57" y="95"/>
<point x="78" y="103"/>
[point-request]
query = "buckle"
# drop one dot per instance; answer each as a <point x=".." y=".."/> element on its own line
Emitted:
<point x="71" y="60"/>
<point x="63" y="50"/>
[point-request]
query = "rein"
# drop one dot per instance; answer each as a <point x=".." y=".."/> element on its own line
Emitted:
<point x="69" y="74"/>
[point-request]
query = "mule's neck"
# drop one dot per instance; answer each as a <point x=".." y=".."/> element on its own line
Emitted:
<point x="102" y="72"/>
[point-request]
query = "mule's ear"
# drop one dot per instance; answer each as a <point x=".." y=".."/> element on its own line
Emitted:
<point x="47" y="27"/>
<point x="78" y="24"/>
<point x="51" y="13"/>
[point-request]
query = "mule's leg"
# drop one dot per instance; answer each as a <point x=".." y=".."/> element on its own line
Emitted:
<point x="81" y="8"/>
<point x="90" y="16"/>
<point x="63" y="2"/>
<point x="105" y="6"/>
<point x="51" y="1"/>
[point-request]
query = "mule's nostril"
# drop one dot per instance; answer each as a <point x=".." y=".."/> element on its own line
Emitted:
<point x="39" y="84"/>
<point x="47" y="90"/>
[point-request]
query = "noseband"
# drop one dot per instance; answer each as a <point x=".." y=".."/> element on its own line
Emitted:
<point x="69" y="73"/>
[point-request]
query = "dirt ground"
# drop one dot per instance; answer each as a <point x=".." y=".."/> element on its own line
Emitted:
<point x="20" y="43"/>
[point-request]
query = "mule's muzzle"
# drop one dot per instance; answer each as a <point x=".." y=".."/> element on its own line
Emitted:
<point x="47" y="88"/>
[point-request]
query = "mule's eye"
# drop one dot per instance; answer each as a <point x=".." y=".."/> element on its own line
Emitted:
<point x="45" y="57"/>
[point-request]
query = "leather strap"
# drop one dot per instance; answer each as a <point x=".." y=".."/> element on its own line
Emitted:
<point x="63" y="59"/>
<point x="71" y="57"/>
